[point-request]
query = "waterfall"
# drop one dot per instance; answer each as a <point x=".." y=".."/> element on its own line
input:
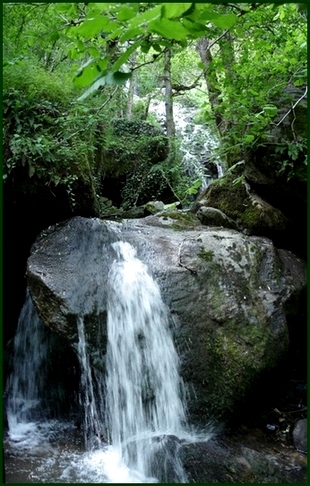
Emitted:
<point x="143" y="383"/>
<point x="32" y="398"/>
<point x="92" y="423"/>
<point x="26" y="383"/>
<point x="134" y="415"/>
<point x="197" y="144"/>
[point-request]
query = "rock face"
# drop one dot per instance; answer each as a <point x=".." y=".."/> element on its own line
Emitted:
<point x="228" y="296"/>
<point x="300" y="435"/>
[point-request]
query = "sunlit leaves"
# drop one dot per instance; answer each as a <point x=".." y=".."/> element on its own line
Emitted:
<point x="147" y="16"/>
<point x="223" y="21"/>
<point x="91" y="27"/>
<point x="126" y="12"/>
<point x="176" y="10"/>
<point x="130" y="34"/>
<point x="195" y="29"/>
<point x="170" y="29"/>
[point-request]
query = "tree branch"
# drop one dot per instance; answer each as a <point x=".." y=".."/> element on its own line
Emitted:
<point x="155" y="57"/>
<point x="107" y="101"/>
<point x="293" y="107"/>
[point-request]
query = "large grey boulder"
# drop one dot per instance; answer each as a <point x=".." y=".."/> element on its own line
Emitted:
<point x="228" y="295"/>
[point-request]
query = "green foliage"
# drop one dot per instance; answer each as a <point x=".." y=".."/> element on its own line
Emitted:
<point x="139" y="27"/>
<point x="44" y="136"/>
<point x="51" y="123"/>
<point x="269" y="47"/>
<point x="293" y="162"/>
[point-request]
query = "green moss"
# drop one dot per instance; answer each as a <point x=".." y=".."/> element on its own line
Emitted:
<point x="227" y="197"/>
<point x="251" y="217"/>
<point x="181" y="220"/>
<point x="206" y="255"/>
<point x="236" y="354"/>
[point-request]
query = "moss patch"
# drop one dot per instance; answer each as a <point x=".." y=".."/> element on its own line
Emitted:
<point x="206" y="255"/>
<point x="180" y="220"/>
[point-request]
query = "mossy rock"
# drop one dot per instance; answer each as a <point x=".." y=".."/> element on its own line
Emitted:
<point x="238" y="203"/>
<point x="177" y="220"/>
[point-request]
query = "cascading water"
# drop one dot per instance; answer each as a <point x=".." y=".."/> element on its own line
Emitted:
<point x="92" y="424"/>
<point x="143" y="383"/>
<point x="197" y="143"/>
<point x="26" y="383"/>
<point x="134" y="416"/>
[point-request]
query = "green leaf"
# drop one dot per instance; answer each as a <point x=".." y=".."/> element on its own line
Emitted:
<point x="270" y="110"/>
<point x="225" y="21"/>
<point x="249" y="138"/>
<point x="156" y="47"/>
<point x="299" y="82"/>
<point x="73" y="53"/>
<point x="54" y="37"/>
<point x="117" y="78"/>
<point x="195" y="28"/>
<point x="93" y="51"/>
<point x="125" y="13"/>
<point x="124" y="57"/>
<point x="91" y="27"/>
<point x="152" y="14"/>
<point x="31" y="171"/>
<point x="96" y="85"/>
<point x="170" y="29"/>
<point x="145" y="47"/>
<point x="194" y="188"/>
<point x="80" y="45"/>
<point x="121" y="78"/>
<point x="165" y="44"/>
<point x="86" y="76"/>
<point x="130" y="34"/>
<point x="176" y="10"/>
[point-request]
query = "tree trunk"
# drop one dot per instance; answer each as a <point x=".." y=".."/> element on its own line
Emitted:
<point x="227" y="54"/>
<point x="130" y="94"/>
<point x="211" y="81"/>
<point x="170" y="127"/>
<point x="131" y="89"/>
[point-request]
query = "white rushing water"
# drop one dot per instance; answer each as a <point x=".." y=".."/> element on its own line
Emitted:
<point x="197" y="143"/>
<point x="143" y="383"/>
<point x="26" y="382"/>
<point x="134" y="415"/>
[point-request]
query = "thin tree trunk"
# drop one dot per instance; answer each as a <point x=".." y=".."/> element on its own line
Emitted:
<point x="227" y="54"/>
<point x="211" y="81"/>
<point x="170" y="126"/>
<point x="131" y="89"/>
<point x="130" y="94"/>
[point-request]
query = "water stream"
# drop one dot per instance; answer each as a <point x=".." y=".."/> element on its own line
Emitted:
<point x="134" y="413"/>
<point x="198" y="144"/>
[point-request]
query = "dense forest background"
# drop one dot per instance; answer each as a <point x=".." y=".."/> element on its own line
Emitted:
<point x="79" y="137"/>
<point x="71" y="68"/>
